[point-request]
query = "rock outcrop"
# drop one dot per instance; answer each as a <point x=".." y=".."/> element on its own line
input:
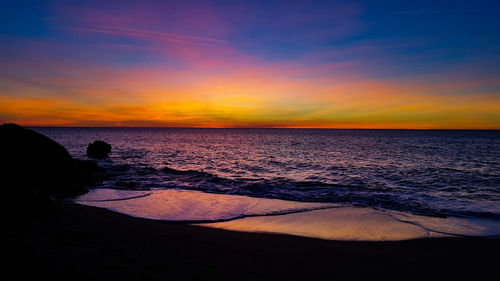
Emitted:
<point x="98" y="149"/>
<point x="33" y="164"/>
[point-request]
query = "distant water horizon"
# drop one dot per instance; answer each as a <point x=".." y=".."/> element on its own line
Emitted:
<point x="433" y="172"/>
<point x="265" y="128"/>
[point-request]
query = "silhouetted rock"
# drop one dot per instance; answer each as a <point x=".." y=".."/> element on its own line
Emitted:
<point x="98" y="149"/>
<point x="33" y="164"/>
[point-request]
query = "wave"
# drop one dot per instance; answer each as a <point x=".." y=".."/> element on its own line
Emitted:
<point x="192" y="206"/>
<point x="115" y="199"/>
<point x="358" y="193"/>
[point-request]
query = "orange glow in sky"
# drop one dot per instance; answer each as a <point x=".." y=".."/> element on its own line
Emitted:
<point x="229" y="66"/>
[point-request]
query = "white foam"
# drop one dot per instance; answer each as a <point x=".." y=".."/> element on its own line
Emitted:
<point x="107" y="194"/>
<point x="452" y="225"/>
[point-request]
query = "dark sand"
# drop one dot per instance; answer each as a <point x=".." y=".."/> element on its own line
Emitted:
<point x="83" y="243"/>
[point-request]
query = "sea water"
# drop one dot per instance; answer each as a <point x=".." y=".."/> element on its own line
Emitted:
<point x="432" y="173"/>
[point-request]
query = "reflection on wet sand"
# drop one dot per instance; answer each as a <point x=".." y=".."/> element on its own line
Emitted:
<point x="336" y="224"/>
<point x="249" y="214"/>
<point x="191" y="206"/>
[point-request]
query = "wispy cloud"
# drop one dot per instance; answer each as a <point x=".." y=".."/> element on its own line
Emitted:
<point x="152" y="35"/>
<point x="418" y="12"/>
<point x="438" y="12"/>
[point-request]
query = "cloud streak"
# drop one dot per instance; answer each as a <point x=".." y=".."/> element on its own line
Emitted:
<point x="163" y="37"/>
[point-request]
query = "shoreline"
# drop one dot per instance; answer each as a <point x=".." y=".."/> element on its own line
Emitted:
<point x="93" y="243"/>
<point x="331" y="221"/>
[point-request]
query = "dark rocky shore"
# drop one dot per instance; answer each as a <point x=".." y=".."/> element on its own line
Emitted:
<point x="35" y="170"/>
<point x="64" y="241"/>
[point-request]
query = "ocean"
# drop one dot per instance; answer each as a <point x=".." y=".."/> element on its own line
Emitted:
<point x="436" y="173"/>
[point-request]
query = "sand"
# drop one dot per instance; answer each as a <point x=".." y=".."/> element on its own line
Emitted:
<point x="77" y="242"/>
<point x="316" y="220"/>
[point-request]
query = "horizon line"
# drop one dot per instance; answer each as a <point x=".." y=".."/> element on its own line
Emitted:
<point x="287" y="128"/>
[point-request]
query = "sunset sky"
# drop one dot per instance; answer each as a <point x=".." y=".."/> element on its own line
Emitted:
<point x="309" y="64"/>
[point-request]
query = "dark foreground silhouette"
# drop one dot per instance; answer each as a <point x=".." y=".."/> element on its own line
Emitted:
<point x="84" y="243"/>
<point x="73" y="242"/>
<point x="35" y="169"/>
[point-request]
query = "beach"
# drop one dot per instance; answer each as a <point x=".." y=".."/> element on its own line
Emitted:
<point x="250" y="140"/>
<point x="135" y="218"/>
<point x="75" y="242"/>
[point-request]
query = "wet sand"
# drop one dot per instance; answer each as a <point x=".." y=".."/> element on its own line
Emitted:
<point x="77" y="242"/>
<point x="315" y="220"/>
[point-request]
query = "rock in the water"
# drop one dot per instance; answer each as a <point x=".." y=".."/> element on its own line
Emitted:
<point x="31" y="163"/>
<point x="98" y="149"/>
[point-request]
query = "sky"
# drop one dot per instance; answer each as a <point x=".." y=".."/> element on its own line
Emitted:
<point x="293" y="64"/>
